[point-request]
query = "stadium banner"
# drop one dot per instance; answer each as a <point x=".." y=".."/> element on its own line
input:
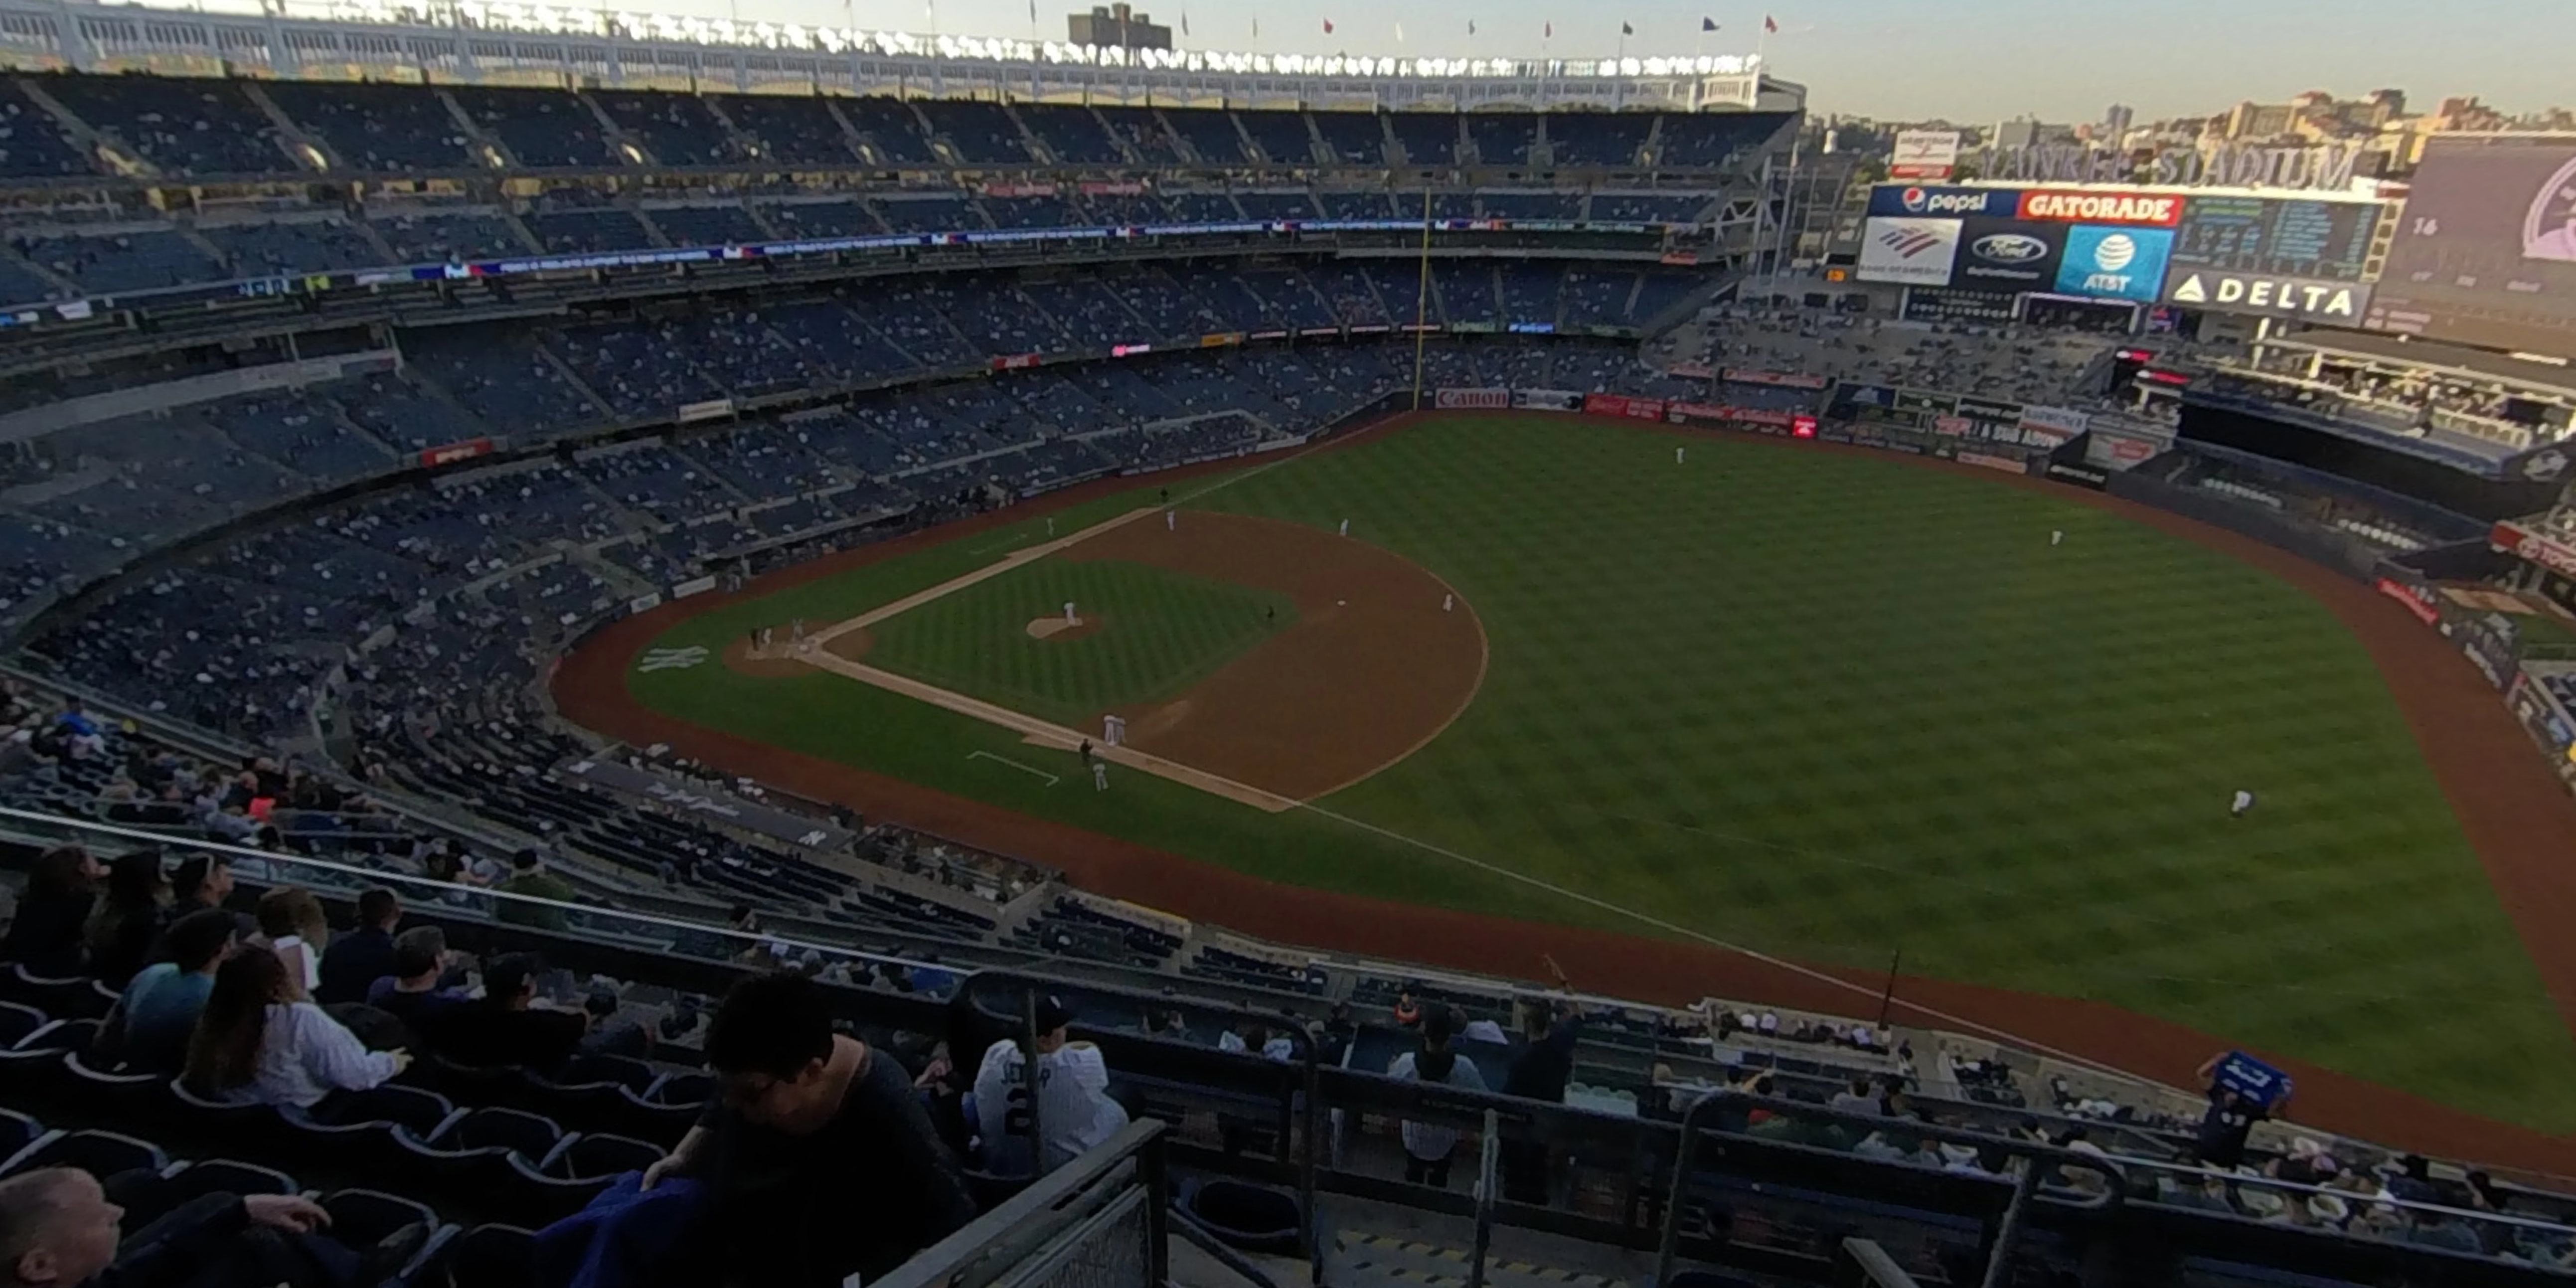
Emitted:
<point x="1915" y="400"/>
<point x="1992" y="461"/>
<point x="644" y="603"/>
<point x="693" y="586"/>
<point x="1015" y="362"/>
<point x="1776" y="379"/>
<point x="2412" y="598"/>
<point x="1950" y="426"/>
<point x="2117" y="451"/>
<point x="1988" y="411"/>
<point x="2251" y="1078"/>
<point x="2051" y="424"/>
<point x="1624" y="405"/>
<point x="1019" y="190"/>
<point x="454" y="452"/>
<point x="1220" y="339"/>
<point x="2534" y="547"/>
<point x="1691" y="371"/>
<point x="2114" y="263"/>
<point x="1898" y="200"/>
<point x="1547" y="399"/>
<point x="1924" y="154"/>
<point x="1099" y="188"/>
<point x="1909" y="252"/>
<point x="2306" y="299"/>
<point x="2084" y="476"/>
<point x="2008" y="254"/>
<point x="2089" y="206"/>
<point x="1766" y="420"/>
<point x="1475" y="399"/>
<point x="1950" y="304"/>
<point x="711" y="409"/>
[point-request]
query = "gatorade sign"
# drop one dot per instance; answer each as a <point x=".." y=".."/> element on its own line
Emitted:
<point x="2144" y="209"/>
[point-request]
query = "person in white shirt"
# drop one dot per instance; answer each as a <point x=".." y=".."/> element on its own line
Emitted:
<point x="2243" y="802"/>
<point x="262" y="1041"/>
<point x="1427" y="1146"/>
<point x="297" y="931"/>
<point x="1074" y="1108"/>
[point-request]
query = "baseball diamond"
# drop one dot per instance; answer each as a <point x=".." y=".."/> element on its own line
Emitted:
<point x="1821" y="706"/>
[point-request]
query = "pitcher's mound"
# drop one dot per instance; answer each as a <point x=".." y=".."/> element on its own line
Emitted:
<point x="1056" y="628"/>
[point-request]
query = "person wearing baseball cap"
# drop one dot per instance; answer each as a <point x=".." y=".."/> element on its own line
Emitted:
<point x="1074" y="1109"/>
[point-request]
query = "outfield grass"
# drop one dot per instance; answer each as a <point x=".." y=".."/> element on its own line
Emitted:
<point x="1161" y="632"/>
<point x="1830" y="707"/>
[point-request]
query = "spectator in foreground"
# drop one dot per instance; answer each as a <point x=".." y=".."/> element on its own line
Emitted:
<point x="128" y="920"/>
<point x="811" y="1129"/>
<point x="1074" y="1108"/>
<point x="1427" y="1146"/>
<point x="150" y="1024"/>
<point x="1542" y="1072"/>
<point x="506" y="1027"/>
<point x="528" y="877"/>
<point x="47" y="931"/>
<point x="356" y="960"/>
<point x="262" y="1041"/>
<point x="57" y="1227"/>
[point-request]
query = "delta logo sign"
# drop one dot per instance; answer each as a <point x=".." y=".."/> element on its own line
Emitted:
<point x="2137" y="209"/>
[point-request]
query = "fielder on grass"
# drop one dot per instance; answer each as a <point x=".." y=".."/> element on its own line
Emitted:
<point x="2244" y="801"/>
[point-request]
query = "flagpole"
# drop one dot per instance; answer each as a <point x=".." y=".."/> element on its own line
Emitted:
<point x="1422" y="299"/>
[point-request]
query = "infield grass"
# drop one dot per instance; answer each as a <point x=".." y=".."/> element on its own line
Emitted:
<point x="1823" y="706"/>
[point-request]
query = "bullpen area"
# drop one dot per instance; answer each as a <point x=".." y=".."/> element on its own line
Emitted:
<point x="1849" y="711"/>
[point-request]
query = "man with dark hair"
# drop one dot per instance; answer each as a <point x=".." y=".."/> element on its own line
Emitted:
<point x="821" y="1161"/>
<point x="1542" y="1072"/>
<point x="410" y="991"/>
<point x="200" y="881"/>
<point x="356" y="960"/>
<point x="149" y="1026"/>
<point x="506" y="1027"/>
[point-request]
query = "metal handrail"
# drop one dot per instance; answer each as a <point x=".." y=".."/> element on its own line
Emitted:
<point x="944" y="1263"/>
<point x="1487" y="1177"/>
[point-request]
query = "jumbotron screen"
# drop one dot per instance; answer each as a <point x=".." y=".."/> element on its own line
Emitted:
<point x="2486" y="251"/>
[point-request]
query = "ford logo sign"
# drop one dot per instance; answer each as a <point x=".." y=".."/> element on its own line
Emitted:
<point x="2010" y="248"/>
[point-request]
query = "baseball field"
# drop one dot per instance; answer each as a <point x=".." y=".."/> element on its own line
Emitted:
<point x="1818" y="705"/>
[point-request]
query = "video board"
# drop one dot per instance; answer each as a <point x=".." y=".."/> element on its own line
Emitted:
<point x="2485" y="251"/>
<point x="2273" y="237"/>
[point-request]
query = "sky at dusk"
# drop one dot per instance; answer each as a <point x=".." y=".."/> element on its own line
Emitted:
<point x="1972" y="60"/>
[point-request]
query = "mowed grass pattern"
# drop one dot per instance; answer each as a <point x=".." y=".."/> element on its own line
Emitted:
<point x="1836" y="707"/>
<point x="1160" y="633"/>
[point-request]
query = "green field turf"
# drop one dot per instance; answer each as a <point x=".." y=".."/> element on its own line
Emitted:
<point x="1829" y="707"/>
<point x="1161" y="632"/>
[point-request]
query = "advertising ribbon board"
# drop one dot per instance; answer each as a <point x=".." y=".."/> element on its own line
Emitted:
<point x="1547" y="399"/>
<point x="1623" y="405"/>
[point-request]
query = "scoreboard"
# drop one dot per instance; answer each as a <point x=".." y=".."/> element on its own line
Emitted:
<point x="2274" y="237"/>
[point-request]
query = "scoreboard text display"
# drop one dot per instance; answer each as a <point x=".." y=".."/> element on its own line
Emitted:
<point x="2270" y="237"/>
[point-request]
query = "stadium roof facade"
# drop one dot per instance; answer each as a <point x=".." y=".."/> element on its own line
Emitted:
<point x="480" y="43"/>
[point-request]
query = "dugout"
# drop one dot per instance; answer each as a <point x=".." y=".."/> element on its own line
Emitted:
<point x="2450" y="478"/>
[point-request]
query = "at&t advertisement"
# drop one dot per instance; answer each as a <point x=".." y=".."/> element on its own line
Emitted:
<point x="2114" y="263"/>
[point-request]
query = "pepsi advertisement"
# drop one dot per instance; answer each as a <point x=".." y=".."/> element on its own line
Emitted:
<point x="2008" y="255"/>
<point x="2114" y="263"/>
<point x="1897" y="201"/>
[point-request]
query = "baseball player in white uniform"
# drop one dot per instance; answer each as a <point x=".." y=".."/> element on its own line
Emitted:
<point x="1677" y="456"/>
<point x="1069" y="618"/>
<point x="1100" y="775"/>
<point x="1171" y="521"/>
<point x="1448" y="602"/>
<point x="1346" y="527"/>
<point x="1074" y="1108"/>
<point x="2244" y="801"/>
<point x="2056" y="536"/>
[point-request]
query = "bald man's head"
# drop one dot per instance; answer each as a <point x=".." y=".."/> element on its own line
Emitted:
<point x="56" y="1227"/>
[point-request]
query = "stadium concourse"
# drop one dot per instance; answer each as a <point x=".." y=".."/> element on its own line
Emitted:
<point x="306" y="497"/>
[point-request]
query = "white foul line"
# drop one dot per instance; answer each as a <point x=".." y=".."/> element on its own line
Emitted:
<point x="1052" y="780"/>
